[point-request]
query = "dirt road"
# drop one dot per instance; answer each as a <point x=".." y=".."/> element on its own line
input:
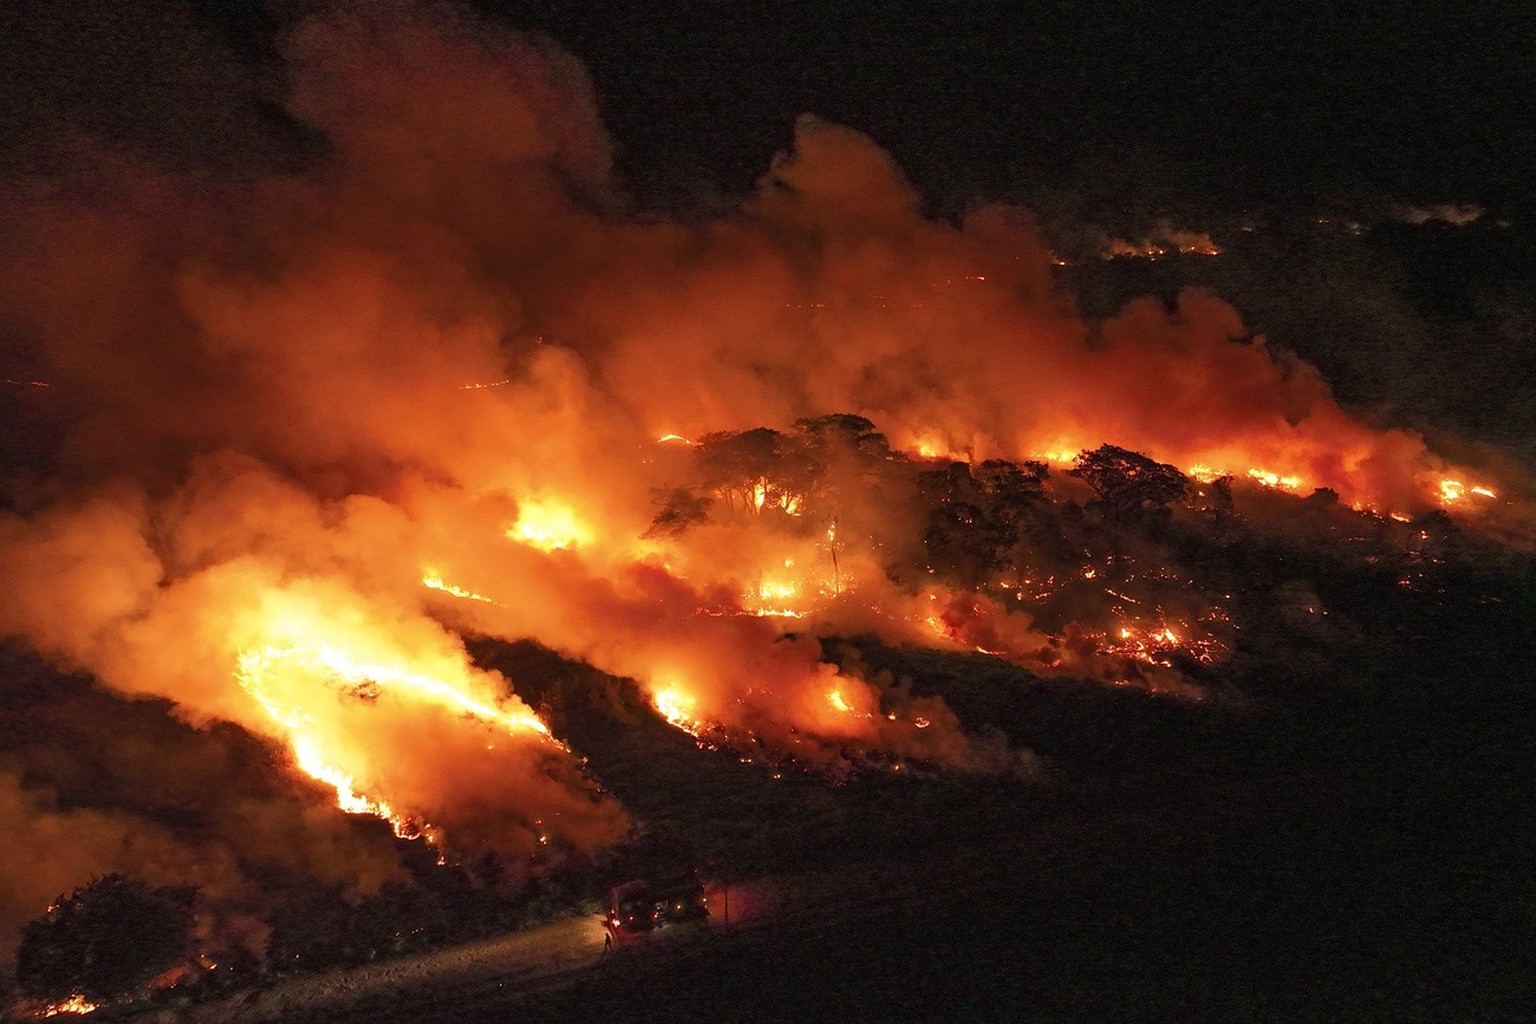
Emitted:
<point x="544" y="957"/>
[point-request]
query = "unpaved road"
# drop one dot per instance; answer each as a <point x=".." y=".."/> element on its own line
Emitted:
<point x="545" y="957"/>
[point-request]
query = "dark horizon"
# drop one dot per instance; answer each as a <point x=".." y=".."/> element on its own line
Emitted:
<point x="1130" y="105"/>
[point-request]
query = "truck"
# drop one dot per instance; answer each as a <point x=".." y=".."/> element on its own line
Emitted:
<point x="643" y="905"/>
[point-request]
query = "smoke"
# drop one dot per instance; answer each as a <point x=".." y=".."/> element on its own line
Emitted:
<point x="443" y="351"/>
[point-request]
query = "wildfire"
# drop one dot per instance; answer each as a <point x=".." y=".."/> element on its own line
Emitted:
<point x="267" y="672"/>
<point x="1156" y="645"/>
<point x="549" y="526"/>
<point x="432" y="581"/>
<point x="1272" y="480"/>
<point x="309" y="760"/>
<point x="333" y="663"/>
<point x="836" y="699"/>
<point x="1452" y="491"/>
<point x="76" y="1005"/>
<point x="677" y="706"/>
<point x="930" y="447"/>
<point x="770" y="598"/>
<point x="1205" y="474"/>
<point x="673" y="439"/>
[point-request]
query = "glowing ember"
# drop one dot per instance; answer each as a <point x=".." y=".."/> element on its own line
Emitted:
<point x="1157" y="645"/>
<point x="549" y="526"/>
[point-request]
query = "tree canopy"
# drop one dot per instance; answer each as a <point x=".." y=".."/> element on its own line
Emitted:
<point x="106" y="939"/>
<point x="1128" y="484"/>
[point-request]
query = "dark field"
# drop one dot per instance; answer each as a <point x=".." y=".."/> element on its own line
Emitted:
<point x="1355" y="848"/>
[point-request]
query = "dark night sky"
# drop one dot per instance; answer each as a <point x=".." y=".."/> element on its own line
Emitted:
<point x="1247" y="103"/>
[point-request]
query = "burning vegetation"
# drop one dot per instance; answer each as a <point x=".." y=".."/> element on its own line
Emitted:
<point x="698" y="454"/>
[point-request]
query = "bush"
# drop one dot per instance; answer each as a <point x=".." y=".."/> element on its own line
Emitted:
<point x="105" y="939"/>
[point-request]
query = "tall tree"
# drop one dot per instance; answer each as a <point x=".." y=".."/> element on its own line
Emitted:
<point x="755" y="470"/>
<point x="1128" y="484"/>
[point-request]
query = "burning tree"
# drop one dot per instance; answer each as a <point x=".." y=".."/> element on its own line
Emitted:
<point x="106" y="939"/>
<point x="975" y="519"/>
<point x="754" y="470"/>
<point x="803" y="473"/>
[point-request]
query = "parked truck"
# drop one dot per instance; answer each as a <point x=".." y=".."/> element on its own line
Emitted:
<point x="643" y="905"/>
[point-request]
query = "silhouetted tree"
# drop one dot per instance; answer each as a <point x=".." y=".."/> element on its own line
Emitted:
<point x="753" y="470"/>
<point x="966" y="542"/>
<point x="855" y="435"/>
<point x="681" y="509"/>
<point x="1129" y="484"/>
<point x="106" y="939"/>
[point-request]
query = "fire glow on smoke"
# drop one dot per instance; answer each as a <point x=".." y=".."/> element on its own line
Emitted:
<point x="296" y="543"/>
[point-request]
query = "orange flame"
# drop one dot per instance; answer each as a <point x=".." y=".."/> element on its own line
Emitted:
<point x="76" y="1005"/>
<point x="548" y="526"/>
<point x="677" y="706"/>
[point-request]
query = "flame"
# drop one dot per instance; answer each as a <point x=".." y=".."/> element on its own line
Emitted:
<point x="771" y="598"/>
<point x="835" y="698"/>
<point x="549" y="526"/>
<point x="1271" y="479"/>
<point x="677" y="706"/>
<point x="673" y="438"/>
<point x="281" y="676"/>
<point x="1157" y="644"/>
<point x="307" y="756"/>
<point x="432" y="581"/>
<point x="1205" y="474"/>
<point x="1452" y="491"/>
<point x="76" y="1004"/>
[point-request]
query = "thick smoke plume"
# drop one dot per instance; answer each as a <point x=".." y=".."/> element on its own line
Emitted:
<point x="443" y="353"/>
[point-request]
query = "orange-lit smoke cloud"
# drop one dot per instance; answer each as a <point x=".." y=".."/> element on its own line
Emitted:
<point x="293" y="397"/>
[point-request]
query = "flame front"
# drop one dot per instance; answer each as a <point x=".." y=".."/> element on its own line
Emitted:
<point x="323" y="678"/>
<point x="549" y="526"/>
<point x="75" y="1005"/>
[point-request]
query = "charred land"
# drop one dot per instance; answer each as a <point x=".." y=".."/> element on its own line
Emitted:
<point x="1072" y="568"/>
